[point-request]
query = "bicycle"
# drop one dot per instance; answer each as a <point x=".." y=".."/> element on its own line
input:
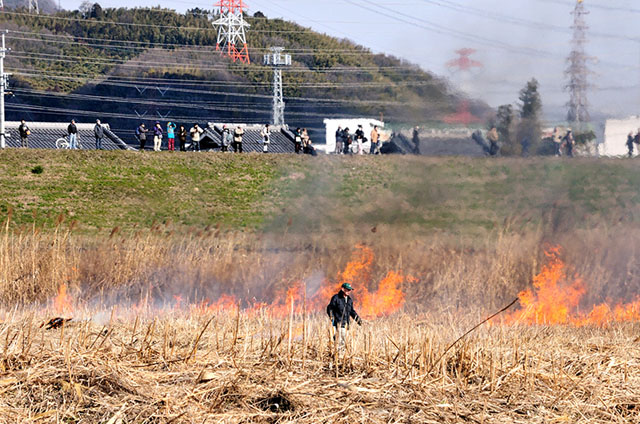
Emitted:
<point x="63" y="143"/>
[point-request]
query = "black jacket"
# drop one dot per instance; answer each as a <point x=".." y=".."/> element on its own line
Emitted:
<point x="23" y="130"/>
<point x="98" y="131"/>
<point x="182" y="135"/>
<point x="340" y="310"/>
<point x="72" y="129"/>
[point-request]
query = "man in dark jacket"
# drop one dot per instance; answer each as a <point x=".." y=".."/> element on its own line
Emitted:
<point x="297" y="140"/>
<point x="340" y="310"/>
<point x="141" y="132"/>
<point x="72" y="130"/>
<point x="346" y="141"/>
<point x="98" y="131"/>
<point x="24" y="133"/>
<point x="339" y="145"/>
<point x="569" y="142"/>
<point x="360" y="139"/>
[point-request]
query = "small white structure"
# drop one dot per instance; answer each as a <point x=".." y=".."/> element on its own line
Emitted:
<point x="615" y="136"/>
<point x="331" y="126"/>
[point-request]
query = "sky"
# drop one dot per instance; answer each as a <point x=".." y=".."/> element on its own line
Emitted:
<point x="515" y="40"/>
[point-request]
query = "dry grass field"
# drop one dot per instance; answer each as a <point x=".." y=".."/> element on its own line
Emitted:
<point x="187" y="321"/>
<point x="245" y="368"/>
<point x="219" y="327"/>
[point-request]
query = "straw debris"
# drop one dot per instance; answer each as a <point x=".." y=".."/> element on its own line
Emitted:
<point x="386" y="373"/>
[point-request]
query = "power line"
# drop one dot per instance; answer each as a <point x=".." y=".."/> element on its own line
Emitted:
<point x="503" y="18"/>
<point x="430" y="26"/>
<point x="185" y="28"/>
<point x="69" y="111"/>
<point x="69" y="39"/>
<point x="191" y="104"/>
<point x="382" y="84"/>
<point x="182" y="81"/>
<point x="595" y="6"/>
<point x="231" y="94"/>
<point x="341" y="69"/>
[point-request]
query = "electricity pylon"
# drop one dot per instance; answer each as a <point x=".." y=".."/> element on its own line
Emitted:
<point x="231" y="30"/>
<point x="577" y="70"/>
<point x="277" y="61"/>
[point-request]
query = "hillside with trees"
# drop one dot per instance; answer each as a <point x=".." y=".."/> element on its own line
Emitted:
<point x="129" y="64"/>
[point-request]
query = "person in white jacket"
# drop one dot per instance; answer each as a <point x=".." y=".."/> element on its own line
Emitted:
<point x="196" y="133"/>
<point x="266" y="138"/>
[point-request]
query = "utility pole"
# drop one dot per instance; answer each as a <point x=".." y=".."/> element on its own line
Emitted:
<point x="4" y="83"/>
<point x="577" y="71"/>
<point x="277" y="61"/>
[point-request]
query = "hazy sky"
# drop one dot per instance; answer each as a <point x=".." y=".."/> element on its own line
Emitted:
<point x="515" y="40"/>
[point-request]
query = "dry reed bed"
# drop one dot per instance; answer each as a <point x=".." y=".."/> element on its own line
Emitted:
<point x="206" y="263"/>
<point x="208" y="368"/>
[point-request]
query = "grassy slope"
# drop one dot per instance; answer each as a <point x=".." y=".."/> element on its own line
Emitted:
<point x="430" y="99"/>
<point x="463" y="196"/>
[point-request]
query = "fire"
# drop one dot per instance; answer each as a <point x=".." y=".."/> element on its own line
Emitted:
<point x="225" y="303"/>
<point x="372" y="298"/>
<point x="556" y="296"/>
<point x="62" y="302"/>
<point x="385" y="300"/>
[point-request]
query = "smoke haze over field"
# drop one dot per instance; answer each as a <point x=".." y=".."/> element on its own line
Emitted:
<point x="515" y="40"/>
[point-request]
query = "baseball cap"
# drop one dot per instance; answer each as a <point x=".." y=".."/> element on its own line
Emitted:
<point x="347" y="286"/>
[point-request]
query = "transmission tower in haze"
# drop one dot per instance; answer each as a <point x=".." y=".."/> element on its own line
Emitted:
<point x="464" y="69"/>
<point x="33" y="6"/>
<point x="577" y="70"/>
<point x="231" y="30"/>
<point x="277" y="61"/>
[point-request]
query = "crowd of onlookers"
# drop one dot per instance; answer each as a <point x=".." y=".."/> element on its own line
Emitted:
<point x="72" y="134"/>
<point x="563" y="142"/>
<point x="173" y="131"/>
<point x="347" y="143"/>
<point x="633" y="139"/>
<point x="231" y="138"/>
<point x="566" y="141"/>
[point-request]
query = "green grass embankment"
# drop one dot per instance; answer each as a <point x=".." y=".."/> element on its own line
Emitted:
<point x="102" y="190"/>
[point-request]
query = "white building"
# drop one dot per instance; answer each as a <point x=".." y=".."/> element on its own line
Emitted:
<point x="331" y="126"/>
<point x="615" y="136"/>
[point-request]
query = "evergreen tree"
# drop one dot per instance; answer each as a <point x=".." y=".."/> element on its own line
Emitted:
<point x="529" y="127"/>
<point x="505" y="121"/>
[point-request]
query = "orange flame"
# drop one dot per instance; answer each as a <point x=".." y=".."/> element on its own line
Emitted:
<point x="225" y="303"/>
<point x="385" y="300"/>
<point x="62" y="302"/>
<point x="556" y="296"/>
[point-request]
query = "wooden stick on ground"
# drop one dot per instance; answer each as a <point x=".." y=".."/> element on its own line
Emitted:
<point x="467" y="333"/>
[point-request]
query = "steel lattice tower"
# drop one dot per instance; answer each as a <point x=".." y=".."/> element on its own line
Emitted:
<point x="577" y="70"/>
<point x="277" y="61"/>
<point x="231" y="30"/>
<point x="33" y="6"/>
